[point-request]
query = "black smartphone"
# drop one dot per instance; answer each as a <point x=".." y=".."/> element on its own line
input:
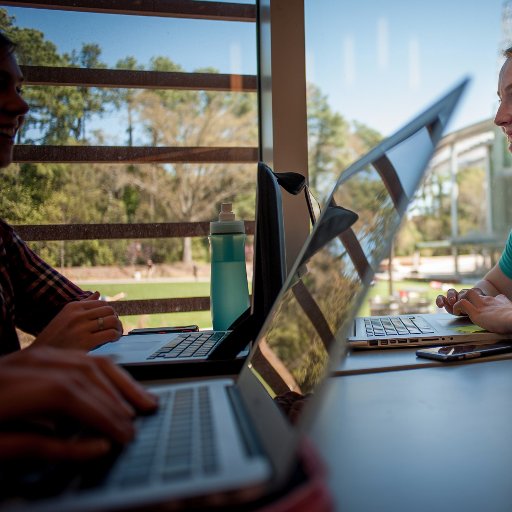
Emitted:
<point x="165" y="330"/>
<point x="466" y="351"/>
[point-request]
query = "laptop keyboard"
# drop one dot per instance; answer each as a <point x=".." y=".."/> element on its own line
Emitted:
<point x="190" y="344"/>
<point x="174" y="443"/>
<point x="380" y="326"/>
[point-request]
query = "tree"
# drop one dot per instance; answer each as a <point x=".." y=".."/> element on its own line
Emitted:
<point x="333" y="142"/>
<point x="192" y="192"/>
<point x="147" y="192"/>
<point x="327" y="134"/>
<point x="127" y="97"/>
<point x="93" y="98"/>
<point x="472" y="201"/>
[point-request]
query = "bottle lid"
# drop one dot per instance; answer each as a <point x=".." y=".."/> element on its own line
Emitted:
<point x="226" y="212"/>
<point x="227" y="222"/>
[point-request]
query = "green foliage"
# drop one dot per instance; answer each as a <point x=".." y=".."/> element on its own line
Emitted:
<point x="81" y="194"/>
<point x="152" y="290"/>
<point x="471" y="204"/>
<point x="368" y="137"/>
<point x="407" y="238"/>
<point x="163" y="251"/>
<point x="431" y="220"/>
<point x="327" y="134"/>
<point x="93" y="99"/>
<point x="131" y="199"/>
<point x="127" y="97"/>
<point x="334" y="143"/>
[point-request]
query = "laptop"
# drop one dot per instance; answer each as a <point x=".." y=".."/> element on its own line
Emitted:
<point x="220" y="442"/>
<point x="398" y="162"/>
<point x="154" y="355"/>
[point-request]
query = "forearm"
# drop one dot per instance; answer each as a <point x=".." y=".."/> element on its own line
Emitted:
<point x="495" y="282"/>
<point x="487" y="287"/>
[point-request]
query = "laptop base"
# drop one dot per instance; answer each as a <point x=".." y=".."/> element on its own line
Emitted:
<point x="424" y="330"/>
<point x="187" y="369"/>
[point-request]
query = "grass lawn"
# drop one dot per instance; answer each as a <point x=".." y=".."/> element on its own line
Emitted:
<point x="156" y="290"/>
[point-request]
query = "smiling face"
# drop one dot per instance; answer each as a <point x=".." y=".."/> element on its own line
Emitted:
<point x="504" y="114"/>
<point x="12" y="105"/>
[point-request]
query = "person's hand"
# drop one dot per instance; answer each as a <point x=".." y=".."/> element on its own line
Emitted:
<point x="491" y="313"/>
<point x="453" y="296"/>
<point x="83" y="324"/>
<point x="45" y="385"/>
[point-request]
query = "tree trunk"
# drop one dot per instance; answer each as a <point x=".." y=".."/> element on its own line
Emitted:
<point x="187" y="250"/>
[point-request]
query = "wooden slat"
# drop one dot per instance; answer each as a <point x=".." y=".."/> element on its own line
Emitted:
<point x="48" y="232"/>
<point x="121" y="78"/>
<point x="154" y="306"/>
<point x="122" y="154"/>
<point x="192" y="9"/>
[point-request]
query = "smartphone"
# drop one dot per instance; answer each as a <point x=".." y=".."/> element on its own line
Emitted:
<point x="165" y="330"/>
<point x="466" y="351"/>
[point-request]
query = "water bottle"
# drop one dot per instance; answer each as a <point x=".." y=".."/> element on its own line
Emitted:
<point x="229" y="292"/>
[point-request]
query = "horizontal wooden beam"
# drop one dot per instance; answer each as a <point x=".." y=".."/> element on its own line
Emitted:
<point x="132" y="79"/>
<point x="156" y="306"/>
<point x="48" y="232"/>
<point x="191" y="9"/>
<point x="25" y="153"/>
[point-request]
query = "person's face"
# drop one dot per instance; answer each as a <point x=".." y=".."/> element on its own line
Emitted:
<point x="12" y="106"/>
<point x="503" y="116"/>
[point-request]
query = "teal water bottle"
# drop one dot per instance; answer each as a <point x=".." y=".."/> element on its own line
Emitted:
<point x="229" y="292"/>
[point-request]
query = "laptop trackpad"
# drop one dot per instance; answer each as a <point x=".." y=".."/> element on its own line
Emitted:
<point x="134" y="347"/>
<point x="455" y="323"/>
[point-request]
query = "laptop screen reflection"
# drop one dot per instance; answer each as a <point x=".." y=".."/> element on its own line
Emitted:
<point x="339" y="260"/>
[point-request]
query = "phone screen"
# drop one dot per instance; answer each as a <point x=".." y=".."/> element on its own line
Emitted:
<point x="466" y="351"/>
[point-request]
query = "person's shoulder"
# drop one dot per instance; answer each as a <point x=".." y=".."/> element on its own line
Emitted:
<point x="508" y="243"/>
<point x="8" y="233"/>
<point x="5" y="227"/>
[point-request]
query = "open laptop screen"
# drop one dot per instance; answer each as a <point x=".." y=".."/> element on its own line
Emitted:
<point x="353" y="235"/>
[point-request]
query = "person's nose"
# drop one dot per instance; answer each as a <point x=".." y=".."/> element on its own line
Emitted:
<point x="16" y="105"/>
<point x="21" y="106"/>
<point x="503" y="115"/>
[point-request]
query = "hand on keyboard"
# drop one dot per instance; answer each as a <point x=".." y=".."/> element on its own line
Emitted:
<point x="53" y="387"/>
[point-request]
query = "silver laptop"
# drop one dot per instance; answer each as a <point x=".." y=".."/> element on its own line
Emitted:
<point x="155" y="355"/>
<point x="417" y="330"/>
<point x="216" y="440"/>
<point x="388" y="179"/>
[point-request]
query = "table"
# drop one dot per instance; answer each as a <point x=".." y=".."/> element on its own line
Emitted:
<point x="371" y="361"/>
<point x="388" y="359"/>
<point x="432" y="438"/>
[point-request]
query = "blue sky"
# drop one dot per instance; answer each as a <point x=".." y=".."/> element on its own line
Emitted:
<point x="382" y="61"/>
<point x="191" y="43"/>
<point x="378" y="62"/>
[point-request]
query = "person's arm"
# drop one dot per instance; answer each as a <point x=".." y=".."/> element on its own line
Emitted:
<point x="38" y="291"/>
<point x="497" y="281"/>
<point x="50" y="306"/>
<point x="55" y="386"/>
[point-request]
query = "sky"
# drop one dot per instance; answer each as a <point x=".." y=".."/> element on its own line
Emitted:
<point x="378" y="62"/>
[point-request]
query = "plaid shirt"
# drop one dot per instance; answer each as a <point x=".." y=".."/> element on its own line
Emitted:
<point x="31" y="291"/>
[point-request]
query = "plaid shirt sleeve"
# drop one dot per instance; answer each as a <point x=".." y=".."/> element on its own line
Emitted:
<point x="31" y="291"/>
